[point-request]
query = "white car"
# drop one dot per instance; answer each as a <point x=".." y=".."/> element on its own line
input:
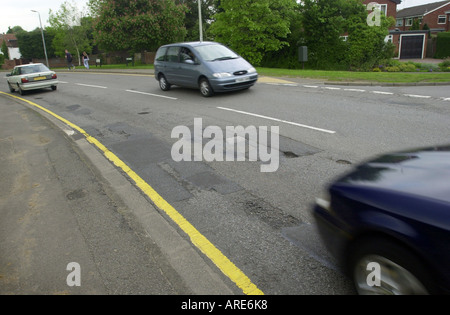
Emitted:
<point x="31" y="77"/>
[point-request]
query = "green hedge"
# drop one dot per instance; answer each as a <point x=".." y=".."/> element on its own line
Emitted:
<point x="443" y="45"/>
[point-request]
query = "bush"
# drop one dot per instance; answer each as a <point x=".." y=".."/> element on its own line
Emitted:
<point x="429" y="67"/>
<point x="443" y="45"/>
<point x="407" y="67"/>
<point x="392" y="63"/>
<point x="393" y="69"/>
<point x="445" y="66"/>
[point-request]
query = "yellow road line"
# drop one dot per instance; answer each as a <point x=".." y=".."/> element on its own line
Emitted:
<point x="264" y="79"/>
<point x="200" y="241"/>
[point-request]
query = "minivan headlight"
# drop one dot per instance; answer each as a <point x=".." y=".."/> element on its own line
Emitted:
<point x="251" y="70"/>
<point x="222" y="75"/>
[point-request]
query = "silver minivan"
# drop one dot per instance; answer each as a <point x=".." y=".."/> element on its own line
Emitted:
<point x="208" y="66"/>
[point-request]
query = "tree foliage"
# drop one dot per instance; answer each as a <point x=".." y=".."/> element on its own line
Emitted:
<point x="253" y="28"/>
<point x="209" y="8"/>
<point x="31" y="46"/>
<point x="71" y="29"/>
<point x="4" y="50"/>
<point x="326" y="21"/>
<point x="137" y="25"/>
<point x="443" y="45"/>
<point x="366" y="46"/>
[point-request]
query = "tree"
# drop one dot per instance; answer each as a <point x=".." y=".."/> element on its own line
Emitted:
<point x="253" y="27"/>
<point x="30" y="44"/>
<point x="15" y="30"/>
<point x="209" y="8"/>
<point x="324" y="24"/>
<point x="70" y="28"/>
<point x="137" y="25"/>
<point x="287" y="56"/>
<point x="415" y="25"/>
<point x="4" y="50"/>
<point x="366" y="44"/>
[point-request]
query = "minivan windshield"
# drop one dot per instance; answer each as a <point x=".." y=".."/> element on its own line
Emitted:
<point x="215" y="52"/>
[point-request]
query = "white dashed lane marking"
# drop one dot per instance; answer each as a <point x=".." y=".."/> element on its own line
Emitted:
<point x="417" y="96"/>
<point x="288" y="83"/>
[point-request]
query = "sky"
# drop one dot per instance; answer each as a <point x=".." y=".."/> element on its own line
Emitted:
<point x="18" y="12"/>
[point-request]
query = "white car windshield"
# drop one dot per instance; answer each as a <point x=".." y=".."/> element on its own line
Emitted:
<point x="215" y="52"/>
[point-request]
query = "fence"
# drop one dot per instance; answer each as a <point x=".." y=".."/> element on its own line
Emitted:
<point x="106" y="59"/>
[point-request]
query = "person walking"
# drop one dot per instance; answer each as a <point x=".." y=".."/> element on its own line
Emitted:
<point x="69" y="60"/>
<point x="86" y="60"/>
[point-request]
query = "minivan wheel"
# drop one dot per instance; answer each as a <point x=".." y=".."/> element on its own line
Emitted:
<point x="163" y="84"/>
<point x="205" y="88"/>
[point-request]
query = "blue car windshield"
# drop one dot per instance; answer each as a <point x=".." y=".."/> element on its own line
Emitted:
<point x="215" y="53"/>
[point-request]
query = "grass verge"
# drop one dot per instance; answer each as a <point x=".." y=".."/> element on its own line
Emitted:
<point x="348" y="76"/>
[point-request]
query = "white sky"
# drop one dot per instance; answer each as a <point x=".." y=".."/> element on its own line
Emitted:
<point x="413" y="3"/>
<point x="18" y="12"/>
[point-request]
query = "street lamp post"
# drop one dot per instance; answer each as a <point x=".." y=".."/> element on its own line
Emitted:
<point x="43" y="40"/>
<point x="200" y="19"/>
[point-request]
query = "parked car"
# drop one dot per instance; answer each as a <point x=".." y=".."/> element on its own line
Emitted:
<point x="208" y="66"/>
<point x="391" y="217"/>
<point x="31" y="77"/>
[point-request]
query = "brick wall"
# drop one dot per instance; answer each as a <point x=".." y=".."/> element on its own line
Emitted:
<point x="432" y="18"/>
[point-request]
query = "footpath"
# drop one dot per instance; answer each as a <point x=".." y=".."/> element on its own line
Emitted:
<point x="72" y="224"/>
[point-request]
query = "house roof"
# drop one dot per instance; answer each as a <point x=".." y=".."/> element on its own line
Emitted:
<point x="420" y="10"/>
<point x="11" y="40"/>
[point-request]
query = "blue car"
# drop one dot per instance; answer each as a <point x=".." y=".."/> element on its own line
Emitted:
<point x="207" y="66"/>
<point x="388" y="223"/>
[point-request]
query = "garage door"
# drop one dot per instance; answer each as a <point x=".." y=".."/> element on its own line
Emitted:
<point x="412" y="47"/>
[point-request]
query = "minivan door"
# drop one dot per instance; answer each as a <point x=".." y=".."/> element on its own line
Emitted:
<point x="172" y="65"/>
<point x="188" y="68"/>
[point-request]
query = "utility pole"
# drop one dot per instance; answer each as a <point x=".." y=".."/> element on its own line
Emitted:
<point x="200" y="23"/>
<point x="43" y="40"/>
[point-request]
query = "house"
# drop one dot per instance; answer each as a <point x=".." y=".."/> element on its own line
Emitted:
<point x="435" y="15"/>
<point x="387" y="7"/>
<point x="414" y="43"/>
<point x="12" y="44"/>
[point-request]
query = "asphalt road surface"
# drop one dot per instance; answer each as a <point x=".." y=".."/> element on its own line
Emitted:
<point x="260" y="221"/>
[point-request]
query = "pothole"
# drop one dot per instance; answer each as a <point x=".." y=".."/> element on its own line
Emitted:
<point x="344" y="162"/>
<point x="290" y="155"/>
<point x="76" y="194"/>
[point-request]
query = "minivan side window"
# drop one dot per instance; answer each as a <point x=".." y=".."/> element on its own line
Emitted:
<point x="161" y="54"/>
<point x="172" y="54"/>
<point x="186" y="54"/>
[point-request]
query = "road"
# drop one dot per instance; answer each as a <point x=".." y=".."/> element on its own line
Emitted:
<point x="260" y="221"/>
